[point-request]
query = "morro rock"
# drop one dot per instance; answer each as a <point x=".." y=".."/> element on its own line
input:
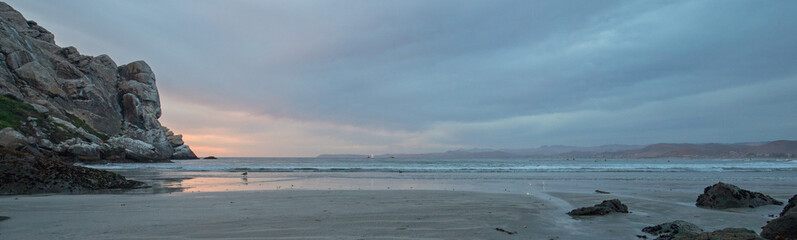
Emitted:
<point x="60" y="104"/>
<point x="723" y="195"/>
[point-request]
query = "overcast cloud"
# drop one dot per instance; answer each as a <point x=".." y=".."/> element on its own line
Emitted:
<point x="299" y="78"/>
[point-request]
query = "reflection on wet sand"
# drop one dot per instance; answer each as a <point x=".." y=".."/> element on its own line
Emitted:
<point x="169" y="182"/>
<point x="156" y="182"/>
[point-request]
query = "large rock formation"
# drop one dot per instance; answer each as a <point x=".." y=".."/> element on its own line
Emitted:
<point x="723" y="195"/>
<point x="74" y="107"/>
<point x="785" y="226"/>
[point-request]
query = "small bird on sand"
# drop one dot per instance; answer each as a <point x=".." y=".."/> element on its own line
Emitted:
<point x="245" y="173"/>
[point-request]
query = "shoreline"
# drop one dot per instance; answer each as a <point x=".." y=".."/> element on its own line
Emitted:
<point x="398" y="212"/>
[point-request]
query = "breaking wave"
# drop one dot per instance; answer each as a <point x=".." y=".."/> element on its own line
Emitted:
<point x="454" y="165"/>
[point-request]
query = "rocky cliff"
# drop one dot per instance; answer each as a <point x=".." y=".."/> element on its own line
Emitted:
<point x="59" y="104"/>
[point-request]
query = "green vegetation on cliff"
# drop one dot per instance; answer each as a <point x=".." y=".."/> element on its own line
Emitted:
<point x="82" y="124"/>
<point x="13" y="112"/>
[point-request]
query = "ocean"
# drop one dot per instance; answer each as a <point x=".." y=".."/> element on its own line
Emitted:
<point x="513" y="175"/>
<point x="461" y="165"/>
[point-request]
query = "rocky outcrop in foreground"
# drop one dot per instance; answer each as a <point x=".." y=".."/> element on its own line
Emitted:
<point x="22" y="173"/>
<point x="682" y="230"/>
<point x="791" y="207"/>
<point x="726" y="234"/>
<point x="58" y="104"/>
<point x="785" y="226"/>
<point x="673" y="230"/>
<point x="605" y="207"/>
<point x="723" y="195"/>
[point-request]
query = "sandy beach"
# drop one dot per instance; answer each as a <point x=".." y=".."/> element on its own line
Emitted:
<point x="226" y="209"/>
<point x="397" y="119"/>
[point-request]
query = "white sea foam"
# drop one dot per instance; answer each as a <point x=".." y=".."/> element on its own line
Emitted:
<point x="460" y="165"/>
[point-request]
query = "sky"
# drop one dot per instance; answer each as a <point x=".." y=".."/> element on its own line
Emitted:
<point x="302" y="78"/>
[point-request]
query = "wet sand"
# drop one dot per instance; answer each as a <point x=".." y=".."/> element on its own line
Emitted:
<point x="290" y="206"/>
<point x="277" y="215"/>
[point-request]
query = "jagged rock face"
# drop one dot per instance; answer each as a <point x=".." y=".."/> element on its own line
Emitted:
<point x="723" y="195"/>
<point x="10" y="138"/>
<point x="181" y="151"/>
<point x="141" y="107"/>
<point x="99" y="98"/>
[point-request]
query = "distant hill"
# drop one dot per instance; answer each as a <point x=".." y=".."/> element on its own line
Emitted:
<point x="558" y="149"/>
<point x="774" y="149"/>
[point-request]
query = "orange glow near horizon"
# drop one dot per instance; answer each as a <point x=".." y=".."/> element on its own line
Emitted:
<point x="200" y="150"/>
<point x="229" y="133"/>
<point x="212" y="144"/>
<point x="212" y="137"/>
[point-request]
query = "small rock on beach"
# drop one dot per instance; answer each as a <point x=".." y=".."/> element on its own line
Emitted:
<point x="673" y="230"/>
<point x="682" y="230"/>
<point x="605" y="207"/>
<point x="723" y="195"/>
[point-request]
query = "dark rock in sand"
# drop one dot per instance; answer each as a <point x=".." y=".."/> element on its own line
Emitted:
<point x="605" y="207"/>
<point x="673" y="230"/>
<point x="24" y="174"/>
<point x="725" y="234"/>
<point x="723" y="195"/>
<point x="785" y="226"/>
<point x="682" y="230"/>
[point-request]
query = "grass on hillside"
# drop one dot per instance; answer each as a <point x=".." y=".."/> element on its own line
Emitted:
<point x="13" y="112"/>
<point x="82" y="124"/>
